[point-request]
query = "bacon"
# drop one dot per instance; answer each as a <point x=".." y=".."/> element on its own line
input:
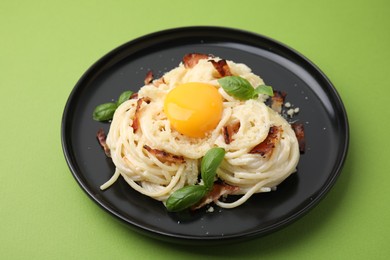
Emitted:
<point x="134" y="95"/>
<point x="101" y="136"/>
<point x="219" y="190"/>
<point x="266" y="147"/>
<point x="149" y="77"/>
<point x="159" y="81"/>
<point x="229" y="130"/>
<point x="135" y="124"/>
<point x="299" y="131"/>
<point x="164" y="157"/>
<point x="222" y="67"/>
<point x="191" y="59"/>
<point x="278" y="100"/>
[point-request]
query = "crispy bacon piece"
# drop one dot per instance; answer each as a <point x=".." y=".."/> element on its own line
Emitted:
<point x="101" y="136"/>
<point x="149" y="77"/>
<point x="159" y="81"/>
<point x="219" y="190"/>
<point x="266" y="147"/>
<point x="191" y="59"/>
<point x="222" y="67"/>
<point x="278" y="100"/>
<point x="164" y="157"/>
<point x="300" y="134"/>
<point x="135" y="124"/>
<point x="229" y="130"/>
<point x="134" y="95"/>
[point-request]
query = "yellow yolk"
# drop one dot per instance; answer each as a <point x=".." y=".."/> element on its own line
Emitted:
<point x="193" y="109"/>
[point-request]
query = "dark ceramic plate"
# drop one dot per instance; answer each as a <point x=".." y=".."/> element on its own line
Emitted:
<point x="321" y="111"/>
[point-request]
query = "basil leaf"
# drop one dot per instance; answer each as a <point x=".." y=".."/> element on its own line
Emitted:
<point x="190" y="195"/>
<point x="237" y="87"/>
<point x="124" y="96"/>
<point x="185" y="197"/>
<point x="104" y="111"/>
<point x="263" y="89"/>
<point x="210" y="163"/>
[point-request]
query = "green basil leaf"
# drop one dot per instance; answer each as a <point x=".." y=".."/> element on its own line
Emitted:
<point x="237" y="87"/>
<point x="124" y="96"/>
<point x="263" y="89"/>
<point x="210" y="163"/>
<point x="185" y="197"/>
<point x="104" y="111"/>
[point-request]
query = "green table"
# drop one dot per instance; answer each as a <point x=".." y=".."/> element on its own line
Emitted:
<point x="45" y="46"/>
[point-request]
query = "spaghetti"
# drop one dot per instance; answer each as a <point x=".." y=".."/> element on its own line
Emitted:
<point x="156" y="160"/>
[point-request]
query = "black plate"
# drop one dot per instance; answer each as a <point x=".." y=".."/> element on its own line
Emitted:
<point x="321" y="110"/>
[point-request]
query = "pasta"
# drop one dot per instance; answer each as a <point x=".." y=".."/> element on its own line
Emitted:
<point x="156" y="160"/>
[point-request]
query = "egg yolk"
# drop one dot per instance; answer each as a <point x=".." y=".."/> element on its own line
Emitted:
<point x="193" y="109"/>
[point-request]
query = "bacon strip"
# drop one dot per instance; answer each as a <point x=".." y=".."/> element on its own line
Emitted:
<point x="134" y="95"/>
<point x="191" y="59"/>
<point x="278" y="100"/>
<point x="164" y="157"/>
<point x="266" y="147"/>
<point x="149" y="77"/>
<point x="300" y="134"/>
<point x="229" y="130"/>
<point x="159" y="81"/>
<point x="219" y="190"/>
<point x="101" y="136"/>
<point x="135" y="124"/>
<point x="222" y="67"/>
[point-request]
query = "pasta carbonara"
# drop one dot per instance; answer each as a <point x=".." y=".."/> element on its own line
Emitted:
<point x="156" y="159"/>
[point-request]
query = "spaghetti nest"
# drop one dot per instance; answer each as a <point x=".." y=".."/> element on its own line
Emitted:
<point x="156" y="160"/>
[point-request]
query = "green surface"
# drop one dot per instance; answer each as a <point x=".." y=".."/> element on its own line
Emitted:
<point x="46" y="46"/>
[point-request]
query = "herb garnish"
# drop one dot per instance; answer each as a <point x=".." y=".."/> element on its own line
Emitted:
<point x="189" y="195"/>
<point x="242" y="89"/>
<point x="106" y="111"/>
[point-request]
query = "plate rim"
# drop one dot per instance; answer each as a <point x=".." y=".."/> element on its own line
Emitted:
<point x="187" y="239"/>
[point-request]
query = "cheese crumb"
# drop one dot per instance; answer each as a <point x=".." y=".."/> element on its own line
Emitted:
<point x="210" y="209"/>
<point x="290" y="112"/>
